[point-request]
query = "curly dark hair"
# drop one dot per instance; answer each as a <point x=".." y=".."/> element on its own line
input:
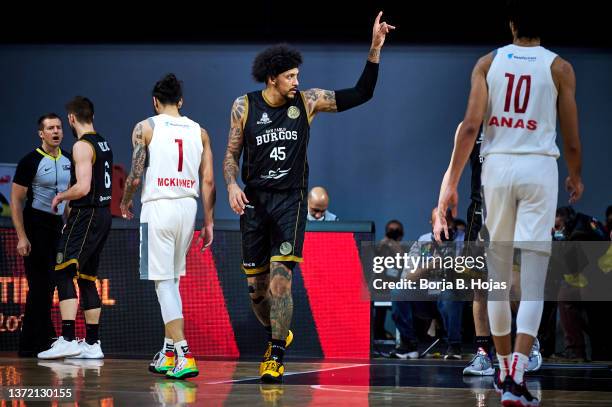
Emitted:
<point x="275" y="60"/>
<point x="168" y="90"/>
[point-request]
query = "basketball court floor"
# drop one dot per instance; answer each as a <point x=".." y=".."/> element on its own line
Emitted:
<point x="379" y="382"/>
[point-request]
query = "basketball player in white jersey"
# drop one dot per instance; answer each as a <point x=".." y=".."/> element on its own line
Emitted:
<point x="179" y="154"/>
<point x="517" y="92"/>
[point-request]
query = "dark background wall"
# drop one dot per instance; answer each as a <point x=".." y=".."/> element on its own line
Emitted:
<point x="379" y="161"/>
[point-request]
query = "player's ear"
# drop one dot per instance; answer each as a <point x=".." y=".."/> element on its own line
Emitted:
<point x="180" y="103"/>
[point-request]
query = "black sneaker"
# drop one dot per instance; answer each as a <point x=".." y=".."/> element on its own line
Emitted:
<point x="405" y="352"/>
<point x="453" y="352"/>
<point x="517" y="395"/>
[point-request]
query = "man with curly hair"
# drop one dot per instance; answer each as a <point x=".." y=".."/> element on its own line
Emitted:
<point x="271" y="128"/>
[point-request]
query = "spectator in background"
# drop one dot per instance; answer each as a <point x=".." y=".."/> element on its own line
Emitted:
<point x="450" y="311"/>
<point x="575" y="226"/>
<point x="401" y="311"/>
<point x="318" y="201"/>
<point x="460" y="226"/>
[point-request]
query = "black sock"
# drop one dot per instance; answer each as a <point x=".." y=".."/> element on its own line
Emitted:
<point x="91" y="333"/>
<point x="68" y="329"/>
<point x="278" y="349"/>
<point x="269" y="331"/>
<point x="484" y="342"/>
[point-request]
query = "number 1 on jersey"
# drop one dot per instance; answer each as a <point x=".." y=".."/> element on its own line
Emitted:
<point x="180" y="147"/>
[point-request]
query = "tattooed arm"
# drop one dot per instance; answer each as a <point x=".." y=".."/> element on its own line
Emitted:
<point x="208" y="192"/>
<point x="231" y="162"/>
<point x="319" y="100"/>
<point x="141" y="136"/>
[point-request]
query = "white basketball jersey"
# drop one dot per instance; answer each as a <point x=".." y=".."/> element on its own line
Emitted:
<point x="521" y="115"/>
<point x="174" y="156"/>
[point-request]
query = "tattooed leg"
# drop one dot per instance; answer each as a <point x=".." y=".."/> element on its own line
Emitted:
<point x="260" y="297"/>
<point x="281" y="301"/>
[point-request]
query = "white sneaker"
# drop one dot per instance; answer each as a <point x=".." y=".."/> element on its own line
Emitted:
<point x="87" y="351"/>
<point x="61" y="348"/>
<point x="535" y="357"/>
<point x="480" y="365"/>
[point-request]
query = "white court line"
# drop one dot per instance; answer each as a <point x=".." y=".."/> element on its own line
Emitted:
<point x="290" y="374"/>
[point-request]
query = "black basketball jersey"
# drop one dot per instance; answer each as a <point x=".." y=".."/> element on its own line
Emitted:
<point x="101" y="174"/>
<point x="275" y="144"/>
<point x="476" y="167"/>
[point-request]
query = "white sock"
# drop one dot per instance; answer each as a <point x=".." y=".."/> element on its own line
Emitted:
<point x="181" y="348"/>
<point x="519" y="364"/>
<point x="168" y="345"/>
<point x="504" y="366"/>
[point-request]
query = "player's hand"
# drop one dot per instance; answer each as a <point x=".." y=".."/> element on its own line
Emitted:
<point x="126" y="207"/>
<point x="237" y="199"/>
<point x="24" y="247"/>
<point x="379" y="32"/>
<point x="55" y="202"/>
<point x="448" y="199"/>
<point x="206" y="237"/>
<point x="574" y="186"/>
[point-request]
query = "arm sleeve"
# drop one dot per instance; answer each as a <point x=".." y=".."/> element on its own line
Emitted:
<point x="363" y="90"/>
<point x="25" y="172"/>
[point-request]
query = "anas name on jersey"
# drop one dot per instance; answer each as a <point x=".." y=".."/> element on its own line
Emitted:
<point x="513" y="123"/>
<point x="279" y="134"/>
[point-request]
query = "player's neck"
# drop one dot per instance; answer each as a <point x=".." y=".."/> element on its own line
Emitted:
<point x="52" y="151"/>
<point x="170" y="111"/>
<point x="272" y="97"/>
<point x="526" y="42"/>
<point x="83" y="129"/>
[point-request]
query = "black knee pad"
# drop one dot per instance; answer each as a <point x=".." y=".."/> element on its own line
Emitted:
<point x="65" y="283"/>
<point x="89" y="294"/>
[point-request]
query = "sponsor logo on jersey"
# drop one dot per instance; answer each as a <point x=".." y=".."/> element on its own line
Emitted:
<point x="278" y="174"/>
<point x="105" y="198"/>
<point x="273" y="135"/>
<point x="522" y="58"/>
<point x="285" y="248"/>
<point x="104" y="146"/>
<point x="46" y="170"/>
<point x="264" y="119"/>
<point x="293" y="112"/>
<point x="66" y="167"/>
<point x="168" y="124"/>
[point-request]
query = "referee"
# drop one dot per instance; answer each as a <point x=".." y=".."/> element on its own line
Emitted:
<point x="40" y="175"/>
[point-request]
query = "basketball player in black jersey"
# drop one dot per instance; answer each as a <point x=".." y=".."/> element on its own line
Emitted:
<point x="84" y="235"/>
<point x="271" y="128"/>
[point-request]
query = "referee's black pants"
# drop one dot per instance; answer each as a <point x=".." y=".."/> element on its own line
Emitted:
<point x="43" y="231"/>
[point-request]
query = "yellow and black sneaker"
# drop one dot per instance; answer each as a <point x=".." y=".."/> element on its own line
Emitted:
<point x="185" y="368"/>
<point x="268" y="352"/>
<point x="272" y="371"/>
<point x="162" y="362"/>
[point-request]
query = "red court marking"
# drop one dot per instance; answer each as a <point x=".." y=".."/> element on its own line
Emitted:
<point x="207" y="324"/>
<point x="335" y="286"/>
